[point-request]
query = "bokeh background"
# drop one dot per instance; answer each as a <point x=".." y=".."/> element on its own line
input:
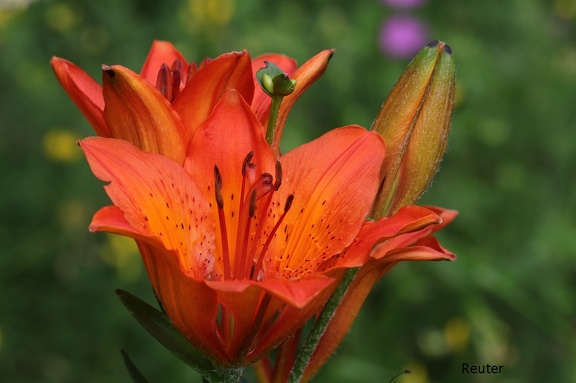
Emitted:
<point x="508" y="300"/>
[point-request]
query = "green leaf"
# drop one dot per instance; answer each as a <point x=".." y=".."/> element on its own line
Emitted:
<point x="133" y="371"/>
<point x="161" y="328"/>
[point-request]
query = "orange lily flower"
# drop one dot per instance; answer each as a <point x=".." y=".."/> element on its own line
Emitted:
<point x="161" y="108"/>
<point x="414" y="121"/>
<point x="243" y="248"/>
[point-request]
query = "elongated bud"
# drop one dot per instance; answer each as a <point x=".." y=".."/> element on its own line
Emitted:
<point x="415" y="122"/>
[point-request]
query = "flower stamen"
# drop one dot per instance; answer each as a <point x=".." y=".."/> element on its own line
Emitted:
<point x="258" y="266"/>
<point x="222" y="222"/>
<point x="260" y="188"/>
<point x="170" y="79"/>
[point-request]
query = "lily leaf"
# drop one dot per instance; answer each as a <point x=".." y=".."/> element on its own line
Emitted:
<point x="133" y="371"/>
<point x="160" y="327"/>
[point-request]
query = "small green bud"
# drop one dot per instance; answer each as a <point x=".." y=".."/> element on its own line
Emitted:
<point x="274" y="81"/>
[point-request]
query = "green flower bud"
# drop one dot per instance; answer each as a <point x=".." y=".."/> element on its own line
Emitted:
<point x="415" y="123"/>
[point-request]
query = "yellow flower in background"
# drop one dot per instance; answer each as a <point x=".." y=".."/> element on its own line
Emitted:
<point x="60" y="145"/>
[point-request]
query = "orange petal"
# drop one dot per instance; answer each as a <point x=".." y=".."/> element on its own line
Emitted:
<point x="305" y="76"/>
<point x="191" y="305"/>
<point x="261" y="101"/>
<point x="84" y="91"/>
<point x="333" y="179"/>
<point x="291" y="318"/>
<point x="162" y="52"/>
<point x="408" y="219"/>
<point x="244" y="300"/>
<point x="225" y="139"/>
<point x="425" y="249"/>
<point x="158" y="199"/>
<point x="197" y="100"/>
<point x="111" y="219"/>
<point x="138" y="113"/>
<point x="405" y="239"/>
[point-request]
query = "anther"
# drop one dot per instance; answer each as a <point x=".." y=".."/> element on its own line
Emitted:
<point x="178" y="66"/>
<point x="175" y="85"/>
<point x="247" y="162"/>
<point x="278" y="178"/>
<point x="218" y="187"/>
<point x="163" y="81"/>
<point x="263" y="185"/>
<point x="288" y="204"/>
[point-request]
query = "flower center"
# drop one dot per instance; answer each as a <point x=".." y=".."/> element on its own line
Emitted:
<point x="245" y="259"/>
<point x="171" y="79"/>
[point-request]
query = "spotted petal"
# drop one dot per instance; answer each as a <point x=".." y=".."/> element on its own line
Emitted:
<point x="159" y="202"/>
<point x="333" y="179"/>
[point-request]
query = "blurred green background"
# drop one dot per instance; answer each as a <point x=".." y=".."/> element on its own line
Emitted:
<point x="508" y="300"/>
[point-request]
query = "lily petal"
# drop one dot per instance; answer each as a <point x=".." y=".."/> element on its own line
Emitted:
<point x="158" y="199"/>
<point x="162" y="52"/>
<point x="84" y="91"/>
<point x="425" y="249"/>
<point x="403" y="239"/>
<point x="261" y="101"/>
<point x="214" y="144"/>
<point x="191" y="305"/>
<point x="137" y="112"/>
<point x="408" y="219"/>
<point x="305" y="76"/>
<point x="333" y="179"/>
<point x="197" y="100"/>
<point x="244" y="299"/>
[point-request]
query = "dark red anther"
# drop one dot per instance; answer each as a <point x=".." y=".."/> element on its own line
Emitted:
<point x="163" y="81"/>
<point x="175" y="85"/>
<point x="278" y="178"/>
<point x="218" y="188"/>
<point x="288" y="204"/>
<point x="247" y="163"/>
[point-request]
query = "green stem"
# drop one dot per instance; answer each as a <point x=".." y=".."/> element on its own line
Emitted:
<point x="320" y="327"/>
<point x="224" y="375"/>
<point x="274" y="109"/>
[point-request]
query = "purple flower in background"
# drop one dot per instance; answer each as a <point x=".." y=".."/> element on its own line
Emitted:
<point x="402" y="36"/>
<point x="403" y="4"/>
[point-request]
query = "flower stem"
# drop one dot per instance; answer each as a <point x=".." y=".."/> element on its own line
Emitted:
<point x="274" y="109"/>
<point x="224" y="375"/>
<point x="311" y="343"/>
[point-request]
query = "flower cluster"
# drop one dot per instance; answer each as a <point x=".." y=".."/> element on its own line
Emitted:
<point x="242" y="244"/>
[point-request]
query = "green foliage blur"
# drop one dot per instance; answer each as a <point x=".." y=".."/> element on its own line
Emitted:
<point x="508" y="300"/>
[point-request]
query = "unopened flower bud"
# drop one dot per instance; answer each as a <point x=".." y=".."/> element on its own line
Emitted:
<point x="274" y="81"/>
<point x="415" y="122"/>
